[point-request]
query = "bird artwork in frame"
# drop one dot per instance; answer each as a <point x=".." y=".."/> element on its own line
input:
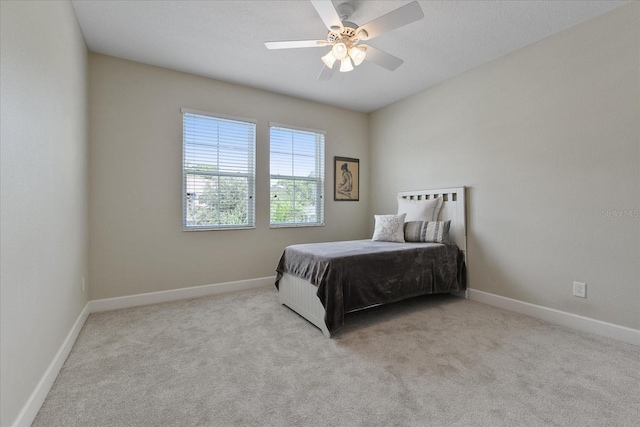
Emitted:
<point x="347" y="179"/>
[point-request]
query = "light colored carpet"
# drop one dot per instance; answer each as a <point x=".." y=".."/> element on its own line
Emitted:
<point x="242" y="359"/>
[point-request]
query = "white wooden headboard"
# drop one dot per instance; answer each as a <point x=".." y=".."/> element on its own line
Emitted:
<point x="453" y="209"/>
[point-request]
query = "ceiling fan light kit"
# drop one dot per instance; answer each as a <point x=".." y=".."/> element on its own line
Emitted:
<point x="346" y="51"/>
<point x="344" y="36"/>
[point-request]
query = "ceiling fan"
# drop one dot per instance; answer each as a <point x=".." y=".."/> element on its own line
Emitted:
<point x="344" y="37"/>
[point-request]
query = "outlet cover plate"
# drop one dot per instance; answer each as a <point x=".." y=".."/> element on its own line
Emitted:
<point x="580" y="289"/>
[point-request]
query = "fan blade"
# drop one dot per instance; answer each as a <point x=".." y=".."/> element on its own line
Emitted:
<point x="395" y="19"/>
<point x="326" y="73"/>
<point x="328" y="14"/>
<point x="383" y="59"/>
<point x="294" y="44"/>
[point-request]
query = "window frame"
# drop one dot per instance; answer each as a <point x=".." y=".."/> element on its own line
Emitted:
<point x="320" y="181"/>
<point x="250" y="175"/>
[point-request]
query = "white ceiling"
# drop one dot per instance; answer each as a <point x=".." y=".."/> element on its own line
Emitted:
<point x="224" y="40"/>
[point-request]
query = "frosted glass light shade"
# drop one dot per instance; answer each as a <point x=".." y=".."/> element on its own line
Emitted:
<point x="357" y="54"/>
<point x="329" y="59"/>
<point x="345" y="65"/>
<point x="340" y="50"/>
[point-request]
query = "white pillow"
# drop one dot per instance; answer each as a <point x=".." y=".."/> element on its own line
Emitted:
<point x="389" y="228"/>
<point x="420" y="210"/>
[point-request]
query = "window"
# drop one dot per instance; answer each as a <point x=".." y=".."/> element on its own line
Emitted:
<point x="297" y="177"/>
<point x="218" y="170"/>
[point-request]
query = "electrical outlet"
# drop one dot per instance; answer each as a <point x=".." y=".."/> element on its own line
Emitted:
<point x="84" y="287"/>
<point x="579" y="289"/>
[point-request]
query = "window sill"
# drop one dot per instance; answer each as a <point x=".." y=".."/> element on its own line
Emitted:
<point x="218" y="228"/>
<point x="295" y="225"/>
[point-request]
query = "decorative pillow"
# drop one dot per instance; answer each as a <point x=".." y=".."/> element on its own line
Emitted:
<point x="389" y="228"/>
<point x="427" y="231"/>
<point x="420" y="210"/>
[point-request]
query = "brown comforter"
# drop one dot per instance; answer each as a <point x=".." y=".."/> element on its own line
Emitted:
<point x="359" y="273"/>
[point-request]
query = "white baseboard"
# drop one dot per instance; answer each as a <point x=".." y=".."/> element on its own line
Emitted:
<point x="30" y="409"/>
<point x="586" y="324"/>
<point x="177" y="294"/>
<point x="35" y="401"/>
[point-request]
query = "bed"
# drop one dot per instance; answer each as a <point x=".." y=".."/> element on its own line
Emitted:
<point x="324" y="281"/>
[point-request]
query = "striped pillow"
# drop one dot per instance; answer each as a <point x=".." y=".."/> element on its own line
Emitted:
<point x="427" y="231"/>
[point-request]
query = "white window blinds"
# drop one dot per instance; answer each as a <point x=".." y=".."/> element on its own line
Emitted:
<point x="297" y="177"/>
<point x="218" y="172"/>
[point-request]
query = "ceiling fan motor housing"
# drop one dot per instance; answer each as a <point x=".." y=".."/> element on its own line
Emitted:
<point x="350" y="32"/>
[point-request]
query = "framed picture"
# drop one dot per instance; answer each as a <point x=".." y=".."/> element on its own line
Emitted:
<point x="346" y="176"/>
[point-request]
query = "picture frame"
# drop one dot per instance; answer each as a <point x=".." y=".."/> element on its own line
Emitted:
<point x="346" y="179"/>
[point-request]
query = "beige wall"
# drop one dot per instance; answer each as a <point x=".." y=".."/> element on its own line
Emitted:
<point x="137" y="244"/>
<point x="548" y="141"/>
<point x="43" y="199"/>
